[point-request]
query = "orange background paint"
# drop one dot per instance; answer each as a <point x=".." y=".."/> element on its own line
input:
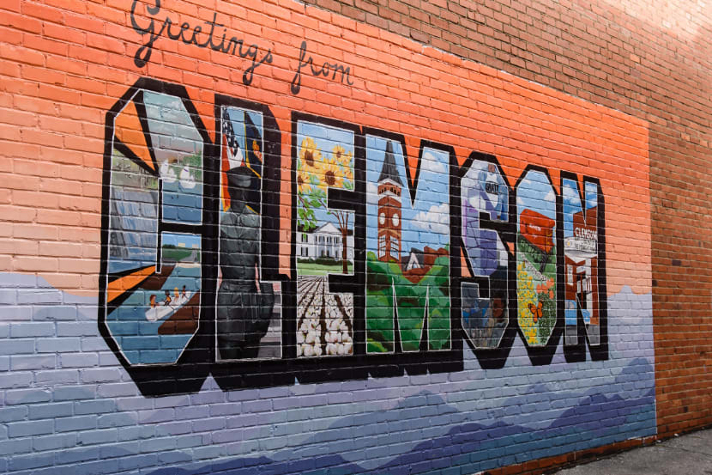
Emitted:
<point x="61" y="70"/>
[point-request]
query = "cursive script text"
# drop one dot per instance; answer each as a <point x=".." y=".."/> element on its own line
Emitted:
<point x="191" y="35"/>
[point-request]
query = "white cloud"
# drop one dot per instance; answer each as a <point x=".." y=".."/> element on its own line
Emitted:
<point x="550" y="197"/>
<point x="571" y="196"/>
<point x="436" y="220"/>
<point x="372" y="193"/>
<point x="432" y="162"/>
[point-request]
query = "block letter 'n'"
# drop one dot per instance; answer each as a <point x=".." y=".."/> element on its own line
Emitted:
<point x="584" y="269"/>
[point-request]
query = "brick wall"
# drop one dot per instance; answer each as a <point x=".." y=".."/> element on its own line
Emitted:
<point x="650" y="60"/>
<point x="463" y="250"/>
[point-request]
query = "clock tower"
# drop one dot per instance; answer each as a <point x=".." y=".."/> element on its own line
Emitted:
<point x="389" y="209"/>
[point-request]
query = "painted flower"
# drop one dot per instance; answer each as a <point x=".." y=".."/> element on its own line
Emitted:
<point x="309" y="153"/>
<point x="331" y="175"/>
<point x="304" y="181"/>
<point x="339" y="154"/>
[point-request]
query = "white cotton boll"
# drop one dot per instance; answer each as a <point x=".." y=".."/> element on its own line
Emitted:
<point x="300" y="350"/>
<point x="338" y="337"/>
<point x="340" y="349"/>
<point x="329" y="338"/>
<point x="343" y="327"/>
<point x="318" y="351"/>
<point x="346" y="338"/>
<point x="330" y="350"/>
<point x="303" y="328"/>
<point x="310" y="337"/>
<point x="348" y="348"/>
<point x="308" y="351"/>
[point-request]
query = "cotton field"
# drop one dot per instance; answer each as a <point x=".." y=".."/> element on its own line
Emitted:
<point x="324" y="320"/>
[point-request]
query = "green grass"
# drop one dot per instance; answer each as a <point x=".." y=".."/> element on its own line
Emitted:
<point x="304" y="268"/>
<point x="176" y="253"/>
<point x="382" y="279"/>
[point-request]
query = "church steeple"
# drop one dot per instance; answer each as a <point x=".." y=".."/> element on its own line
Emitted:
<point x="389" y="209"/>
<point x="389" y="170"/>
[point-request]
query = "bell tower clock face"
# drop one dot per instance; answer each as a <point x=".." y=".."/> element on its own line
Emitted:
<point x="382" y="218"/>
<point x="396" y="219"/>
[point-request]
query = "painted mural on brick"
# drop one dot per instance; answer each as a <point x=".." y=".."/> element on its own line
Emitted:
<point x="581" y="254"/>
<point x="325" y="240"/>
<point x="485" y="301"/>
<point x="407" y="257"/>
<point x="248" y="323"/>
<point x="536" y="257"/>
<point x="348" y="200"/>
<point x="153" y="270"/>
<point x="310" y="262"/>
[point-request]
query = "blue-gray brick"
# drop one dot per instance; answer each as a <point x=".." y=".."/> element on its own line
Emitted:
<point x="158" y="444"/>
<point x="14" y="313"/>
<point x="17" y="347"/>
<point x="54" y="442"/>
<point x="76" y="329"/>
<point x="57" y="377"/>
<point x="50" y="411"/>
<point x="97" y="406"/>
<point x="119" y="450"/>
<point x="39" y="297"/>
<point x="54" y="313"/>
<point x="25" y="462"/>
<point x="72" y="393"/>
<point x="113" y="390"/>
<point x="14" y="413"/>
<point x="30" y="362"/>
<point x="137" y="461"/>
<point x="59" y="345"/>
<point x="119" y="419"/>
<point x="75" y="423"/>
<point x="15" y="446"/>
<point x="29" y="428"/>
<point x="31" y="329"/>
<point x="93" y="344"/>
<point x="153" y="416"/>
<point x="82" y="454"/>
<point x="99" y="436"/>
<point x="27" y="396"/>
<point x="100" y="375"/>
<point x="78" y="360"/>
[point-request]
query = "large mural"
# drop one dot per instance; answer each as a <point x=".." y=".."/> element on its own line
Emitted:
<point x="376" y="238"/>
<point x="375" y="243"/>
<point x="310" y="261"/>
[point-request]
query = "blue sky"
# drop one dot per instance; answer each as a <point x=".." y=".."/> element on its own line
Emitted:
<point x="425" y="222"/>
<point x="535" y="192"/>
<point x="572" y="202"/>
<point x="187" y="240"/>
<point x="326" y="139"/>
<point x="172" y="131"/>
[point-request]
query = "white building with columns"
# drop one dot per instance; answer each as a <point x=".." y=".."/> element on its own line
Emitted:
<point x="324" y="241"/>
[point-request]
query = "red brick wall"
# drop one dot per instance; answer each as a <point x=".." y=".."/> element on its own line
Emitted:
<point x="616" y="85"/>
<point x="652" y="60"/>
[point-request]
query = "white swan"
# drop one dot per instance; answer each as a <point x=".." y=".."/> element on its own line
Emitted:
<point x="187" y="181"/>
